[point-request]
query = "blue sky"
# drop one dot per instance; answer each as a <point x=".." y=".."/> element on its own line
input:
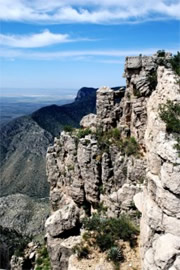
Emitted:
<point x="67" y="44"/>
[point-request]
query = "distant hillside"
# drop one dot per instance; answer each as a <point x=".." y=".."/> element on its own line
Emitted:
<point x="24" y="142"/>
<point x="23" y="148"/>
<point x="53" y="118"/>
<point x="14" y="107"/>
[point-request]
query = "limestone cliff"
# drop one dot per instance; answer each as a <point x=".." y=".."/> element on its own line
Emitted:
<point x="121" y="151"/>
<point x="160" y="223"/>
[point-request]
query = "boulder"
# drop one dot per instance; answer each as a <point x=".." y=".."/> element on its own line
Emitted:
<point x="62" y="220"/>
<point x="89" y="121"/>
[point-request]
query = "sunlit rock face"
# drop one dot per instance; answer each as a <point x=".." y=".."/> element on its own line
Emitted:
<point x="83" y="171"/>
<point x="160" y="223"/>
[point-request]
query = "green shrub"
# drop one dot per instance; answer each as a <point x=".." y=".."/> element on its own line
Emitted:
<point x="104" y="241"/>
<point x="43" y="261"/>
<point x="39" y="261"/>
<point x="175" y="63"/>
<point x="123" y="228"/>
<point x="106" y="138"/>
<point x="129" y="146"/>
<point x="108" y="230"/>
<point x="103" y="140"/>
<point x="115" y="133"/>
<point x="68" y="128"/>
<point x="92" y="223"/>
<point x="101" y="208"/>
<point x="83" y="132"/>
<point x="152" y="78"/>
<point x="162" y="60"/>
<point x="170" y="114"/>
<point x="105" y="232"/>
<point x="81" y="251"/>
<point x="161" y="53"/>
<point x="137" y="214"/>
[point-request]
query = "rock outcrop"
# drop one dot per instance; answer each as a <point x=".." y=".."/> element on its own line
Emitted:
<point x="160" y="223"/>
<point x="121" y="151"/>
<point x="28" y="258"/>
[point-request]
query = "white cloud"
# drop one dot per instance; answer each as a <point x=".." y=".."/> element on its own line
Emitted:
<point x="45" y="38"/>
<point x="88" y="11"/>
<point x="106" y="56"/>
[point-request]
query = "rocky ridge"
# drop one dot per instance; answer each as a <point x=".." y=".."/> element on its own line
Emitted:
<point x="124" y="153"/>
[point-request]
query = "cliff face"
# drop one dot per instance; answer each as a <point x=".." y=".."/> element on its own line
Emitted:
<point x="160" y="223"/>
<point x="119" y="152"/>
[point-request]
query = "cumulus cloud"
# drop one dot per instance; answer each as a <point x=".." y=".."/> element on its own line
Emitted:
<point x="88" y="11"/>
<point x="45" y="38"/>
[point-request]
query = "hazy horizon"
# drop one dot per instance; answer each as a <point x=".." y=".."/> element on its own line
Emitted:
<point x="38" y="92"/>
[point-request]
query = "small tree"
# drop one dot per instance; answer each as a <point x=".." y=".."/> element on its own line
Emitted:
<point x="175" y="63"/>
<point x="161" y="53"/>
<point x="68" y="128"/>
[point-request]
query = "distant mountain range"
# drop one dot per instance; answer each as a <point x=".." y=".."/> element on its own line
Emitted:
<point x="13" y="107"/>
<point x="24" y="142"/>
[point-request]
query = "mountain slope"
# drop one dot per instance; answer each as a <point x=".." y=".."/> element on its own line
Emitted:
<point x="24" y="142"/>
<point x="53" y="118"/>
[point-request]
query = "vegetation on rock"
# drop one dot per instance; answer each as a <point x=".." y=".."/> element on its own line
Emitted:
<point x="105" y="232"/>
<point x="175" y="63"/>
<point x="161" y="53"/>
<point x="81" y="250"/>
<point x="128" y="146"/>
<point x="115" y="255"/>
<point x="170" y="114"/>
<point x="152" y="78"/>
<point x="81" y="133"/>
<point x="68" y="128"/>
<point x="43" y="260"/>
